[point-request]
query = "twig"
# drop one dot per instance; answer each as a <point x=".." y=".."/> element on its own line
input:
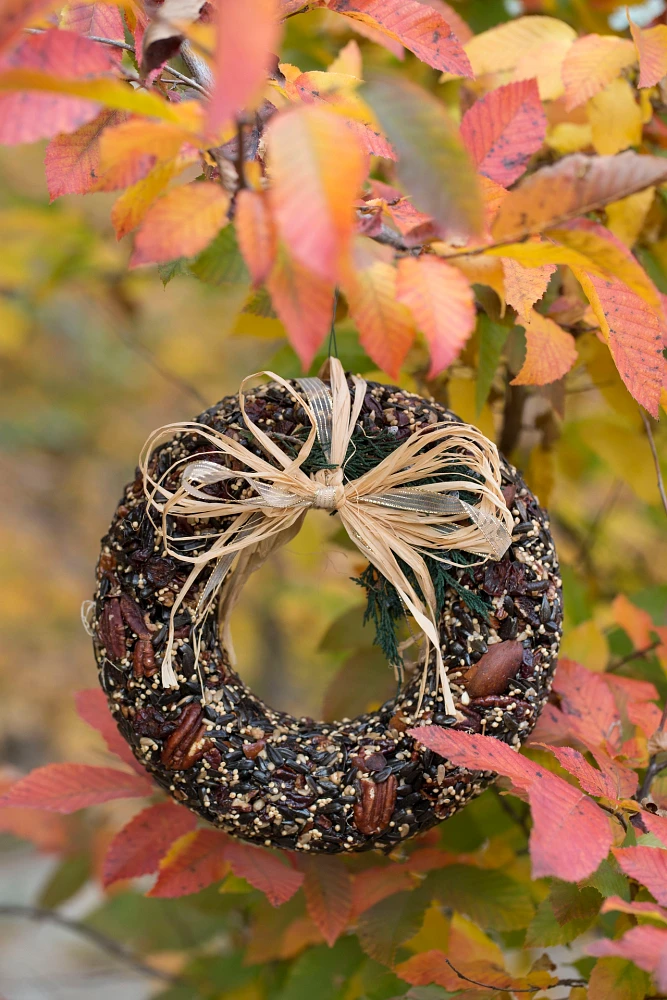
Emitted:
<point x="654" y="768"/>
<point x="513" y="989"/>
<point x="638" y="654"/>
<point x="107" y="944"/>
<point x="656" y="460"/>
<point x="515" y="399"/>
<point x="240" y="154"/>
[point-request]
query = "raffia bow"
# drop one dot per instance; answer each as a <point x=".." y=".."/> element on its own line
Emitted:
<point x="383" y="512"/>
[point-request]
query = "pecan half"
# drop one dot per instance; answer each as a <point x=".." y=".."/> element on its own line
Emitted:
<point x="373" y="812"/>
<point x="143" y="659"/>
<point x="185" y="746"/>
<point x="111" y="629"/>
<point x="133" y="617"/>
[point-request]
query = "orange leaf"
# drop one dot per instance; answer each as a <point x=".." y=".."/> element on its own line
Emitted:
<point x="317" y="168"/>
<point x="634" y="333"/>
<point x="386" y="328"/>
<point x="592" y="63"/>
<point x="93" y="708"/>
<point x="46" y="831"/>
<point x="303" y="302"/>
<point x="376" y="884"/>
<point x="264" y="871"/>
<point x="419" y="27"/>
<point x="130" y="209"/>
<point x="26" y="116"/>
<point x="651" y="45"/>
<point x="574" y="186"/>
<point x="248" y="33"/>
<point x="139" y="846"/>
<point x="524" y="286"/>
<point x="429" y="967"/>
<point x="550" y="351"/>
<point x="255" y="233"/>
<point x="633" y="620"/>
<point x="558" y="808"/>
<point x="103" y="20"/>
<point x="645" y="946"/>
<point x="72" y="162"/>
<point x="442" y="303"/>
<point x="503" y="130"/>
<point x="648" y="866"/>
<point x="65" y="788"/>
<point x="181" y="223"/>
<point x="328" y="889"/>
<point x="191" y="864"/>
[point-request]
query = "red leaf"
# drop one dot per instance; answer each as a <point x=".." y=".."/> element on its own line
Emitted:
<point x="648" y="865"/>
<point x="193" y="862"/>
<point x="255" y="233"/>
<point x="419" y="27"/>
<point x="645" y="946"/>
<point x="503" y="130"/>
<point x="657" y="825"/>
<point x="248" y="33"/>
<point x="104" y="20"/>
<point x="92" y="707"/>
<point x="16" y="14"/>
<point x="328" y="889"/>
<point x="442" y="303"/>
<point x="375" y="884"/>
<point x="558" y="808"/>
<point x="264" y="871"/>
<point x="26" y="116"/>
<point x="181" y="223"/>
<point x="46" y="831"/>
<point x="72" y="161"/>
<point x="589" y="705"/>
<point x="613" y="780"/>
<point x="139" y="846"/>
<point x="303" y="302"/>
<point x="65" y="788"/>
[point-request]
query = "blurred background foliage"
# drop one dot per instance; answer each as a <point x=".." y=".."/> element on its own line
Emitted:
<point x="92" y="358"/>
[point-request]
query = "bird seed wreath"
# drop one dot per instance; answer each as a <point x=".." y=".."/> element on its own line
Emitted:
<point x="455" y="540"/>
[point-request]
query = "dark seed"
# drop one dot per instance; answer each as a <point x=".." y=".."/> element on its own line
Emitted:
<point x="545" y="610"/>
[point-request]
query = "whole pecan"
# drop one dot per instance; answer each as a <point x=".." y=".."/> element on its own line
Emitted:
<point x="143" y="658"/>
<point x="186" y="746"/>
<point x="133" y="617"/>
<point x="373" y="812"/>
<point x="111" y="629"/>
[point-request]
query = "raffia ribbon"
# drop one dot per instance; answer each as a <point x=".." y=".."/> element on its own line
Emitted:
<point x="383" y="512"/>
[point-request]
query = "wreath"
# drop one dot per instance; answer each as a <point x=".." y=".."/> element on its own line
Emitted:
<point x="456" y="543"/>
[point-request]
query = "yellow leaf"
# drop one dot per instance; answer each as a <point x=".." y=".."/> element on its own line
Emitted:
<point x="462" y="400"/>
<point x="129" y="210"/>
<point x="544" y="63"/>
<point x="541" y="474"/>
<point x="550" y="351"/>
<point x="386" y="327"/>
<point x="569" y="137"/>
<point x="317" y="169"/>
<point x="626" y="218"/>
<point x="348" y="60"/>
<point x="586" y="644"/>
<point x="615" y="118"/>
<point x="604" y="374"/>
<point x="525" y="286"/>
<point x="536" y="253"/>
<point x="434" y="932"/>
<point x="111" y="93"/>
<point x="502" y="47"/>
<point x="481" y="270"/>
<point x="592" y="63"/>
<point x="624" y="452"/>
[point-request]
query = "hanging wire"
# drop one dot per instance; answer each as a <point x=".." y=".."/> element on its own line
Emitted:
<point x="332" y="349"/>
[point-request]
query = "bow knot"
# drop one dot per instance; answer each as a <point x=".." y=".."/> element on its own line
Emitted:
<point x="408" y="506"/>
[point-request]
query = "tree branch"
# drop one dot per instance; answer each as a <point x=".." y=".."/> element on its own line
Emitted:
<point x="107" y="944"/>
<point x="638" y="654"/>
<point x="513" y="989"/>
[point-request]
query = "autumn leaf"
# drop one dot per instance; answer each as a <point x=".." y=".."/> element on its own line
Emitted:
<point x="255" y="232"/>
<point x="442" y="303"/>
<point x="303" y="302"/>
<point x="192" y="863"/>
<point x="138" y="848"/>
<point x="591" y="63"/>
<point x="524" y="286"/>
<point x="554" y="803"/>
<point x="72" y="162"/>
<point x="574" y="186"/>
<point x="131" y="207"/>
<point x="432" y="162"/>
<point x="181" y="223"/>
<point x="386" y="327"/>
<point x="65" y="788"/>
<point x="102" y="20"/>
<point x="248" y="32"/>
<point x="646" y="946"/>
<point x="375" y="884"/>
<point x="502" y="47"/>
<point x="317" y="172"/>
<point x="264" y="871"/>
<point x="597" y="781"/>
<point x="163" y="34"/>
<point x="503" y="129"/>
<point x="328" y="889"/>
<point x="15" y="15"/>
<point x="93" y="708"/>
<point x="26" y="116"/>
<point x="550" y="351"/>
<point x="651" y="45"/>
<point x="386" y="925"/>
<point x="648" y="866"/>
<point x="418" y="27"/>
